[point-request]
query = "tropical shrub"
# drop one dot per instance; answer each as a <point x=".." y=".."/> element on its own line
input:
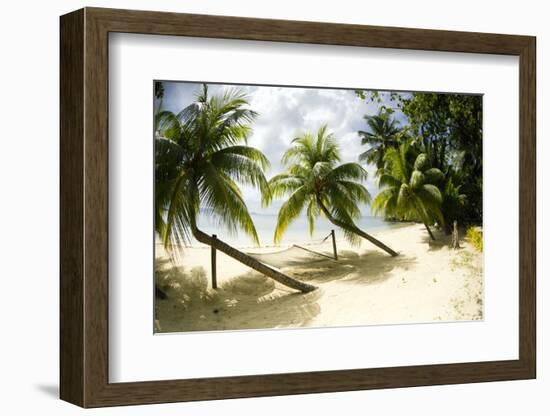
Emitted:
<point x="409" y="190"/>
<point x="475" y="236"/>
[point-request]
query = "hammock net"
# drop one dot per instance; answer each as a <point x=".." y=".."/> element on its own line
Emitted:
<point x="293" y="255"/>
<point x="315" y="251"/>
<point x="296" y="254"/>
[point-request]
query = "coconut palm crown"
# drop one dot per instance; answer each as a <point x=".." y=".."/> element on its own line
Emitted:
<point x="316" y="182"/>
<point x="201" y="157"/>
<point x="384" y="132"/>
<point x="409" y="188"/>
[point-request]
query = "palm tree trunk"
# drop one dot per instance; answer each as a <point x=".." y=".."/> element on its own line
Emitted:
<point x="356" y="230"/>
<point x="251" y="262"/>
<point x="429" y="231"/>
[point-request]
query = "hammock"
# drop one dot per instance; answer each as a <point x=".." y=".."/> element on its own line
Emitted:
<point x="295" y="255"/>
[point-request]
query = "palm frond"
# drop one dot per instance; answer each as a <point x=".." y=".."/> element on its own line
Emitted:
<point x="199" y="162"/>
<point x="167" y="125"/>
<point x="385" y="203"/>
<point x="386" y="179"/>
<point x="396" y="163"/>
<point x="243" y="164"/>
<point x="434" y="176"/>
<point x="179" y="212"/>
<point x="219" y="193"/>
<point x="348" y="171"/>
<point x="289" y="211"/>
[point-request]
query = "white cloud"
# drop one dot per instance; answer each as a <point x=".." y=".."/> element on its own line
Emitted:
<point x="283" y="112"/>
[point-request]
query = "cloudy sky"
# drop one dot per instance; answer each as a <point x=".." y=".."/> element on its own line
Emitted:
<point x="283" y="113"/>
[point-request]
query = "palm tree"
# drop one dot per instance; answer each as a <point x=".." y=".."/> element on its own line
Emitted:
<point x="409" y="188"/>
<point x="454" y="200"/>
<point x="199" y="159"/>
<point x="384" y="133"/>
<point x="314" y="181"/>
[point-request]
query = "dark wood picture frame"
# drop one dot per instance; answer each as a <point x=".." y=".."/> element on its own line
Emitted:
<point x="84" y="207"/>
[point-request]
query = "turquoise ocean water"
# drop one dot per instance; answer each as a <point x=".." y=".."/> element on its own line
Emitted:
<point x="297" y="232"/>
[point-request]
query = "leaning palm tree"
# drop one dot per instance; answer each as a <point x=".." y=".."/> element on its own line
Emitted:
<point x="383" y="133"/>
<point x="314" y="181"/>
<point x="409" y="188"/>
<point x="200" y="156"/>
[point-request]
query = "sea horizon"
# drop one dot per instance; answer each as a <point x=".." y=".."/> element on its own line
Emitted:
<point x="297" y="233"/>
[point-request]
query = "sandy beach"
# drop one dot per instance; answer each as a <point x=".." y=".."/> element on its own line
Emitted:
<point x="427" y="282"/>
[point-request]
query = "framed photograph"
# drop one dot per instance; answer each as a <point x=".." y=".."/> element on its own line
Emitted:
<point x="255" y="207"/>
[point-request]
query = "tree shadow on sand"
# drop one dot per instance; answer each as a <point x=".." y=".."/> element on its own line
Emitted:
<point x="253" y="301"/>
<point x="368" y="268"/>
<point x="250" y="301"/>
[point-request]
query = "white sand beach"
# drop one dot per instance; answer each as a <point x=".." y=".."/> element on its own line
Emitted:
<point x="427" y="282"/>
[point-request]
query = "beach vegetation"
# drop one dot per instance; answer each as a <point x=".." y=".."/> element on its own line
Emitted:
<point x="384" y="132"/>
<point x="409" y="188"/>
<point x="447" y="130"/>
<point x="475" y="236"/>
<point x="316" y="182"/>
<point x="201" y="157"/>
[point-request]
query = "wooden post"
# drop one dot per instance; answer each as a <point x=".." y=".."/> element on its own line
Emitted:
<point x="213" y="265"/>
<point x="334" y="245"/>
<point x="454" y="239"/>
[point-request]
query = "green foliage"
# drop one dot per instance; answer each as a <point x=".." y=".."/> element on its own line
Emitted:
<point x="159" y="96"/>
<point x="421" y="162"/>
<point x="434" y="176"/>
<point x="417" y="179"/>
<point x="200" y="158"/>
<point x="475" y="236"/>
<point x="384" y="132"/>
<point x="448" y="129"/>
<point x="407" y="192"/>
<point x="315" y="181"/>
<point x="454" y="201"/>
<point x="159" y="90"/>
